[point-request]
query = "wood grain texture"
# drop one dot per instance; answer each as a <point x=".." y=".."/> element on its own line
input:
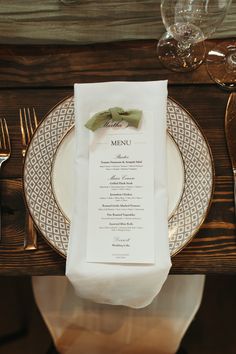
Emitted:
<point x="87" y="21"/>
<point x="47" y="66"/>
<point x="41" y="76"/>
<point x="13" y="259"/>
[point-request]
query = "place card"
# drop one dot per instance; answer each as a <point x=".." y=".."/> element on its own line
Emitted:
<point x="121" y="193"/>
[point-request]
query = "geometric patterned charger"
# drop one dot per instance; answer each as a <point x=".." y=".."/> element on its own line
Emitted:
<point x="198" y="176"/>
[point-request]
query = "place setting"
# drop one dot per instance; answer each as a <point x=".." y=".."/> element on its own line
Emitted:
<point x="118" y="176"/>
<point x="49" y="178"/>
<point x="49" y="169"/>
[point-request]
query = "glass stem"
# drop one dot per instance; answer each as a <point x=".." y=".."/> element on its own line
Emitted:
<point x="184" y="53"/>
<point x="184" y="49"/>
<point x="231" y="62"/>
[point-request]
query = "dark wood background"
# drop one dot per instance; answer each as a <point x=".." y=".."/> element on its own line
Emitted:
<point x="40" y="76"/>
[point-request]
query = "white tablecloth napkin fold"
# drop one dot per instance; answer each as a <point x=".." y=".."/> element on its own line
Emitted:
<point x="133" y="285"/>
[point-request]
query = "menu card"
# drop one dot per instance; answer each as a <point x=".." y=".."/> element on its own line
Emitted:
<point x="109" y="279"/>
<point x="121" y="193"/>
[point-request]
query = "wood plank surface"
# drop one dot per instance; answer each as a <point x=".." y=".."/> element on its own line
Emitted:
<point x="13" y="259"/>
<point x="87" y="21"/>
<point x="213" y="249"/>
<point x="53" y="66"/>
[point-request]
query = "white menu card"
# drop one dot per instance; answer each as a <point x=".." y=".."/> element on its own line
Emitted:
<point x="142" y="268"/>
<point x="121" y="194"/>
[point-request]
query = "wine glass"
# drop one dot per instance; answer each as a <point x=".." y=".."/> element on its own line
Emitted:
<point x="188" y="23"/>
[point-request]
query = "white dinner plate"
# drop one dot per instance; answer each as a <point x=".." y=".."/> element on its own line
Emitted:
<point x="49" y="176"/>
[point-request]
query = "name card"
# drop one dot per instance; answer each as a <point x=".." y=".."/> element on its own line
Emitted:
<point x="121" y="193"/>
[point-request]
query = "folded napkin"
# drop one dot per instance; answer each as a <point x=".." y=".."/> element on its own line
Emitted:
<point x="129" y="284"/>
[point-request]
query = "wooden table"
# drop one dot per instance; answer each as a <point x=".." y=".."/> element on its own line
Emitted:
<point x="40" y="76"/>
<point x="50" y="21"/>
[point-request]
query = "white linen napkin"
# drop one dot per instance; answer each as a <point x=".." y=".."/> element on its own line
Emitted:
<point x="133" y="285"/>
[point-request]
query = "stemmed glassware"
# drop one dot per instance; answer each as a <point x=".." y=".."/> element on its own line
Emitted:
<point x="221" y="65"/>
<point x="188" y="23"/>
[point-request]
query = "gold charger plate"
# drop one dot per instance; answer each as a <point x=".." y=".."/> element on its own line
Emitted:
<point x="43" y="204"/>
